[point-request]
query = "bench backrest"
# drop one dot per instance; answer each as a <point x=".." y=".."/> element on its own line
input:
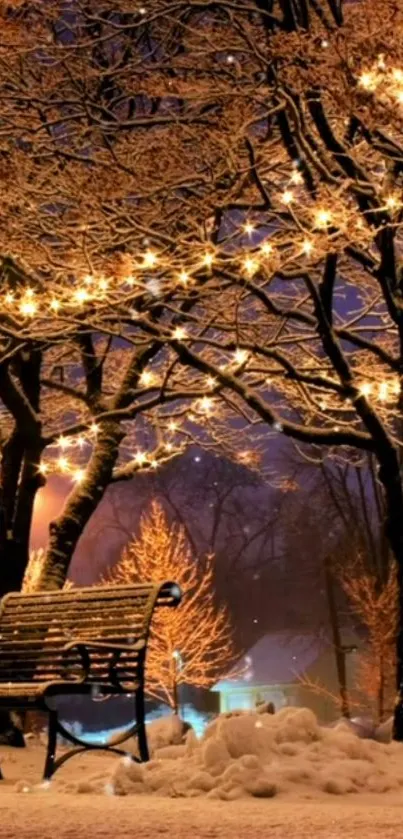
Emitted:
<point x="35" y="629"/>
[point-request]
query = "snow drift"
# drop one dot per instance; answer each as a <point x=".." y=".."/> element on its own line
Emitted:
<point x="253" y="754"/>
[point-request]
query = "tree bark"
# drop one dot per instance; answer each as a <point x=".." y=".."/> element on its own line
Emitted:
<point x="66" y="530"/>
<point x="389" y="475"/>
<point x="337" y="642"/>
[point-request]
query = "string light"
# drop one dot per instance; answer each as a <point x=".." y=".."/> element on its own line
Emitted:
<point x="140" y="457"/>
<point x="28" y="308"/>
<point x="266" y="249"/>
<point x="63" y="464"/>
<point x="81" y="295"/>
<point x="392" y="203"/>
<point x="287" y="196"/>
<point x="94" y="428"/>
<point x="206" y="404"/>
<point x="323" y="218"/>
<point x="78" y="475"/>
<point x="249" y="228"/>
<point x="383" y="391"/>
<point x="150" y="259"/>
<point x="55" y="305"/>
<point x="307" y="246"/>
<point x="365" y="389"/>
<point x="368" y="81"/>
<point x="240" y="356"/>
<point x="179" y="333"/>
<point x="64" y="442"/>
<point x="208" y="259"/>
<point x="296" y="177"/>
<point x="250" y="265"/>
<point x="147" y="378"/>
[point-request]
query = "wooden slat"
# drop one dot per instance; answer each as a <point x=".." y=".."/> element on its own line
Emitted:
<point x="35" y="628"/>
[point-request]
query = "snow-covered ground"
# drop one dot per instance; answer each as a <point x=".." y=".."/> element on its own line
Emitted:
<point x="256" y="776"/>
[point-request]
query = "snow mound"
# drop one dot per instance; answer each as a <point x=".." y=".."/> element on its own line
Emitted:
<point x="256" y="755"/>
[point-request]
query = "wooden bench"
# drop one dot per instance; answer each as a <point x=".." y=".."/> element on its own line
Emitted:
<point x="79" y="641"/>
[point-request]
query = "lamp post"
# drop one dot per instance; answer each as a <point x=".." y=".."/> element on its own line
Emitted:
<point x="176" y="655"/>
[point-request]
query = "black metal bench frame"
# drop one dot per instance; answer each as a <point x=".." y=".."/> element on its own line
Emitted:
<point x="165" y="594"/>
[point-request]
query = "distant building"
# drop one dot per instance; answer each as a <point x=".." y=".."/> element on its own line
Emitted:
<point x="275" y="665"/>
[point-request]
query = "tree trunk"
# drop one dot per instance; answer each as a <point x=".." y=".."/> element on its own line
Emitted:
<point x="65" y="531"/>
<point x="381" y="691"/>
<point x="389" y="475"/>
<point x="337" y="642"/>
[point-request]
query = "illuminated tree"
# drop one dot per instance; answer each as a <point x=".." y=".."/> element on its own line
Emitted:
<point x="376" y="607"/>
<point x="190" y="645"/>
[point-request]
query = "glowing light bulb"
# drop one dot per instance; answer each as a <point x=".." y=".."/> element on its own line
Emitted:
<point x="323" y="218"/>
<point x="179" y="333"/>
<point x="392" y="202"/>
<point x="250" y="265"/>
<point x="103" y="284"/>
<point x="55" y="305"/>
<point x="150" y="259"/>
<point x="266" y="249"/>
<point x="240" y="356"/>
<point x="211" y="382"/>
<point x="78" y="475"/>
<point x="383" y="392"/>
<point x="140" y="457"/>
<point x="63" y="463"/>
<point x="307" y="246"/>
<point x="29" y="292"/>
<point x="184" y="277"/>
<point x="94" y="428"/>
<point x="172" y="425"/>
<point x="296" y="177"/>
<point x="9" y="298"/>
<point x="249" y="228"/>
<point x="397" y="74"/>
<point x="287" y="197"/>
<point x="43" y="468"/>
<point x="64" y="442"/>
<point x="147" y="378"/>
<point x="28" y="308"/>
<point x="88" y="279"/>
<point x="365" y="389"/>
<point x="208" y="259"/>
<point x="206" y="404"/>
<point x="368" y="81"/>
<point x="80" y="441"/>
<point x="81" y="295"/>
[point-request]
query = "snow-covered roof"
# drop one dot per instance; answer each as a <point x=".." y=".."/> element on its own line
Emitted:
<point x="277" y="659"/>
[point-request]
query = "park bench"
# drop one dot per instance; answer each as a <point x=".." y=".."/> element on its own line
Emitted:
<point x="78" y="641"/>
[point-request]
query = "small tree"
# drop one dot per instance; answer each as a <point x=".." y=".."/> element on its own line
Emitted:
<point x="191" y="644"/>
<point x="376" y="605"/>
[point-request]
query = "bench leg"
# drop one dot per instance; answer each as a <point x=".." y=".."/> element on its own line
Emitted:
<point x="51" y="750"/>
<point x="141" y="727"/>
